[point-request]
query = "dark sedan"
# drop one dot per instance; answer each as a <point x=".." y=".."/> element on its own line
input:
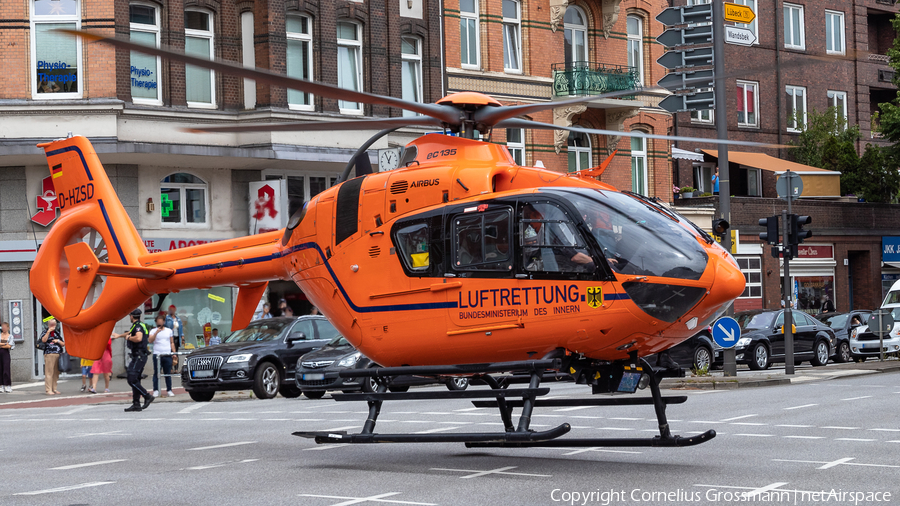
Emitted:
<point x="762" y="340"/>
<point x="697" y="352"/>
<point x="842" y="324"/>
<point x="262" y="356"/>
<point x="318" y="372"/>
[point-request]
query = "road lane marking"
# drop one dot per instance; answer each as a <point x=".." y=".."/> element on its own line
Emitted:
<point x="804" y="437"/>
<point x="226" y="445"/>
<point x="466" y="409"/>
<point x="87" y="464"/>
<point x="887" y="430"/>
<point x="857" y="398"/>
<point x="223" y="464"/>
<point x="66" y="489"/>
<point x="737" y="418"/>
<point x="627" y="419"/>
<point x="79" y="408"/>
<point x="598" y="449"/>
<point x="838" y="462"/>
<point x="431" y="431"/>
<point x="800" y="407"/>
<point x="840" y="428"/>
<point x="854" y="439"/>
<point x="756" y="435"/>
<point x="193" y="407"/>
<point x="796" y="426"/>
<point x="499" y="470"/>
<point x="110" y="433"/>
<point x="748" y="423"/>
<point x="767" y="488"/>
<point x="326" y="447"/>
<point x="615" y="428"/>
<point x="338" y="429"/>
<point x="374" y="498"/>
<point x="574" y="408"/>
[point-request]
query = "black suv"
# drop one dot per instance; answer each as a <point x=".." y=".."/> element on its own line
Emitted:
<point x="262" y="356"/>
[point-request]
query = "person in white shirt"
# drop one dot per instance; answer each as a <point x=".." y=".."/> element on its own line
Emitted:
<point x="214" y="339"/>
<point x="162" y="339"/>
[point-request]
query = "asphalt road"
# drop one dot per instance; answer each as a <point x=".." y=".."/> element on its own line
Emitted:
<point x="776" y="445"/>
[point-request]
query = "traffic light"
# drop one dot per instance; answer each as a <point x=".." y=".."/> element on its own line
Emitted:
<point x="797" y="232"/>
<point x="771" y="234"/>
<point x="720" y="226"/>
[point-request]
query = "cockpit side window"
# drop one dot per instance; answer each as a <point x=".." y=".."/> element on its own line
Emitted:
<point x="481" y="241"/>
<point x="550" y="242"/>
<point x="412" y="242"/>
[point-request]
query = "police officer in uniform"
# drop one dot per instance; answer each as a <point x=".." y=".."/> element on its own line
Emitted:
<point x="137" y="340"/>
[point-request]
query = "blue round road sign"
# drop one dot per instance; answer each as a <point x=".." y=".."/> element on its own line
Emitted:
<point x="726" y="332"/>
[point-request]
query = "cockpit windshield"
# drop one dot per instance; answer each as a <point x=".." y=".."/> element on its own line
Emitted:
<point x="639" y="238"/>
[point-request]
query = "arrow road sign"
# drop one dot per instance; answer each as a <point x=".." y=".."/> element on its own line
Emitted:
<point x="689" y="102"/>
<point x="739" y="13"/>
<point x="789" y="184"/>
<point x="700" y="57"/>
<point x="726" y="332"/>
<point x="739" y="36"/>
<point x="681" y="36"/>
<point x="682" y="15"/>
<point x="687" y="80"/>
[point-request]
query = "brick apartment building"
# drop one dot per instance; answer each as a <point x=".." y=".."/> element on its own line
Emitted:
<point x="541" y="50"/>
<point x="776" y="83"/>
<point x="183" y="188"/>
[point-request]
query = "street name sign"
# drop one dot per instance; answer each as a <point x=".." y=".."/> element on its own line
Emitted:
<point x="739" y="13"/>
<point x="739" y="36"/>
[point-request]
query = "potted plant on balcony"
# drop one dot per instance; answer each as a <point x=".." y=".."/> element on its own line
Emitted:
<point x="687" y="192"/>
<point x="676" y="191"/>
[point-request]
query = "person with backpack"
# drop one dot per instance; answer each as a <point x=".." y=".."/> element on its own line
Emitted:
<point x="52" y="343"/>
<point x="138" y="339"/>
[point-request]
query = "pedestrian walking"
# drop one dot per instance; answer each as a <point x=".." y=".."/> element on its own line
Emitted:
<point x="138" y="340"/>
<point x="103" y="367"/>
<point x="53" y="348"/>
<point x="7" y="344"/>
<point x="86" y="375"/>
<point x="163" y="348"/>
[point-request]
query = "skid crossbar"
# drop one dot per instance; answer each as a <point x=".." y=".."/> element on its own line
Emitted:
<point x="602" y="401"/>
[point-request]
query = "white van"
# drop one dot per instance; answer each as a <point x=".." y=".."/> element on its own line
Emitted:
<point x="865" y="344"/>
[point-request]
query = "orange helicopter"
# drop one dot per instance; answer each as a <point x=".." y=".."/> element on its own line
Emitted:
<point x="458" y="262"/>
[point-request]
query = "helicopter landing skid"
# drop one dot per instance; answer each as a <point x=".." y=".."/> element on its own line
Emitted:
<point x="505" y="399"/>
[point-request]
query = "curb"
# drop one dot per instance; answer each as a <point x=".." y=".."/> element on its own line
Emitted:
<point x="716" y="383"/>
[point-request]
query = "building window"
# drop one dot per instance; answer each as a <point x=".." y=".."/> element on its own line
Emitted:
<point x="636" y="47"/>
<point x="752" y="269"/>
<point x="704" y="116"/>
<point x="411" y="51"/>
<point x="248" y="54"/>
<point x="639" y="165"/>
<point x="512" y="43"/>
<point x="183" y="201"/>
<point x="144" y="68"/>
<point x="299" y="59"/>
<point x="575" y="24"/>
<point x="579" y="149"/>
<point x="794" y="31"/>
<point x="796" y="108"/>
<point x="468" y="33"/>
<point x="752" y="25"/>
<point x="834" y="32"/>
<point x="57" y="56"/>
<point x="838" y="100"/>
<point x="754" y="183"/>
<point x="349" y="42"/>
<point x="199" y="41"/>
<point x="748" y="103"/>
<point x="515" y="143"/>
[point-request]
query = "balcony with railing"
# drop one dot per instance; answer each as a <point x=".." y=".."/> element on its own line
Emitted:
<point x="591" y="78"/>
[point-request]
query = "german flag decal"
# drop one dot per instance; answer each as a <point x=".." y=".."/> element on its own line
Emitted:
<point x="56" y="171"/>
<point x="595" y="296"/>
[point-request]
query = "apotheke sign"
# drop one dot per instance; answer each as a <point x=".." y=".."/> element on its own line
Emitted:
<point x="168" y="244"/>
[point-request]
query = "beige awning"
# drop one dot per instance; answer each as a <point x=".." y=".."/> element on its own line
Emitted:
<point x="816" y="182"/>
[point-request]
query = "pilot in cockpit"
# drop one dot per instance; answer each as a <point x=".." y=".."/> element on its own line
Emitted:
<point x="546" y="250"/>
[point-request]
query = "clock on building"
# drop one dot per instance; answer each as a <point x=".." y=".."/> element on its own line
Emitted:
<point x="388" y="159"/>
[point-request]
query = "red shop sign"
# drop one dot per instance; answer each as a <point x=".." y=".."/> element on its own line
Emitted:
<point x="815" y="252"/>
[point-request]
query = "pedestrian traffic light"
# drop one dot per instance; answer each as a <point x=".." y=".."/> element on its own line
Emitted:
<point x="797" y="232"/>
<point x="771" y="234"/>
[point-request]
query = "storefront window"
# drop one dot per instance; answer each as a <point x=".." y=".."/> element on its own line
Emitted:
<point x="56" y="72"/>
<point x="196" y="308"/>
<point x="814" y="293"/>
<point x="182" y="200"/>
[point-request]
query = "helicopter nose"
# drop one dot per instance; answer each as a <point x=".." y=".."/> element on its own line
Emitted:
<point x="729" y="282"/>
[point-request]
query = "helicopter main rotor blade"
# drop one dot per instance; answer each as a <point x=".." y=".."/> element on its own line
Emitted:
<point x="524" y="123"/>
<point x="449" y="115"/>
<point x="315" y="126"/>
<point x="494" y="115"/>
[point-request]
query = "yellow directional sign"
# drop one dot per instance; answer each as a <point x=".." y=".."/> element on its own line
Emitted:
<point x="739" y="13"/>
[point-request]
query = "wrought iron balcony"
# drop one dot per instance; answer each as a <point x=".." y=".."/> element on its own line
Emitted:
<point x="592" y="78"/>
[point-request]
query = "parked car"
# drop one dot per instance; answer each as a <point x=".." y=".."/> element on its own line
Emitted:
<point x="762" y="340"/>
<point x="262" y="356"/>
<point x="318" y="372"/>
<point x="865" y="344"/>
<point x="696" y="352"/>
<point x="842" y="324"/>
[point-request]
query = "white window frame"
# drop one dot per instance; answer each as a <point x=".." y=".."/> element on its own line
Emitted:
<point x="309" y="58"/>
<point x="583" y="30"/>
<point x="578" y="150"/>
<point x="832" y="102"/>
<point x="801" y="28"/>
<point x="248" y="56"/>
<point x="515" y="147"/>
<point x="755" y="86"/>
<point x="183" y="223"/>
<point x="753" y="25"/>
<point x="637" y="40"/>
<point x="704" y="116"/>
<point x="746" y="271"/>
<point x="357" y="44"/>
<point x="640" y="155"/>
<point x="211" y="35"/>
<point x="756" y="176"/>
<point x="842" y="47"/>
<point x="792" y="91"/>
<point x="516" y="25"/>
<point x="415" y="61"/>
<point x="470" y="16"/>
<point x="79" y="72"/>
<point x="136" y="27"/>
